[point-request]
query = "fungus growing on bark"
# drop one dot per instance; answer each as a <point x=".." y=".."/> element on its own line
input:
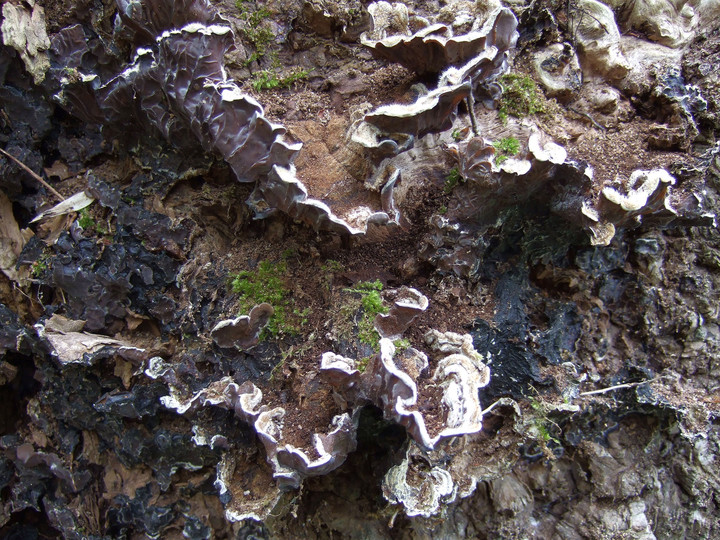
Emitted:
<point x="434" y="48"/>
<point x="283" y="191"/>
<point x="162" y="92"/>
<point x="540" y="169"/>
<point x="146" y="19"/>
<point x="430" y="113"/>
<point x="558" y="69"/>
<point x="408" y="304"/>
<point x="290" y="464"/>
<point x="542" y="173"/>
<point x="624" y="204"/>
<point x="420" y="487"/>
<point x="593" y="25"/>
<point x="389" y="382"/>
<point x="242" y="332"/>
<point x="673" y="25"/>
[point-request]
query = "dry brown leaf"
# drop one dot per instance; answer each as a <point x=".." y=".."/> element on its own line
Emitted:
<point x="11" y="241"/>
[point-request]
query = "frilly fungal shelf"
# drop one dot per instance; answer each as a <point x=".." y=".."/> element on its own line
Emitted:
<point x="433" y="48"/>
<point x="290" y="464"/>
<point x="542" y="174"/>
<point x="242" y="332"/>
<point x="176" y="86"/>
<point x="179" y="89"/>
<point x="624" y="204"/>
<point x="389" y="382"/>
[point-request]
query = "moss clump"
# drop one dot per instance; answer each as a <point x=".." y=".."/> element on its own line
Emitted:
<point x="85" y="220"/>
<point x="268" y="284"/>
<point x="362" y="364"/>
<point x="332" y="266"/>
<point x="543" y="426"/>
<point x="269" y="79"/>
<point x="509" y="146"/>
<point x="372" y="304"/>
<point x="453" y="179"/>
<point x="520" y="97"/>
<point x="38" y="268"/>
<point x="329" y="269"/>
<point x="87" y="223"/>
<point x="258" y="31"/>
<point x="401" y="345"/>
<point x="255" y="29"/>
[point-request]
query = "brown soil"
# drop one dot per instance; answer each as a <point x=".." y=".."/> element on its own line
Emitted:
<point x="305" y="417"/>
<point x="430" y="405"/>
<point x="615" y="154"/>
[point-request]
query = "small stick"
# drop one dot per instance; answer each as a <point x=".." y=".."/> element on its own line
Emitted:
<point x="470" y="102"/>
<point x="617" y="387"/>
<point x="586" y="115"/>
<point x="32" y="173"/>
<point x="490" y="408"/>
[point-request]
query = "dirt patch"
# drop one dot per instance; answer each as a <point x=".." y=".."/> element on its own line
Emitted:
<point x="615" y="154"/>
<point x="307" y="414"/>
<point x="431" y="406"/>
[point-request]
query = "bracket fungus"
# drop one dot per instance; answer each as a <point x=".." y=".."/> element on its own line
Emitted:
<point x="407" y="306"/>
<point x="242" y="332"/>
<point x="646" y="192"/>
<point x="291" y="464"/>
<point x="429" y="113"/>
<point x="558" y="69"/>
<point x="541" y="172"/>
<point x="282" y="190"/>
<point x="670" y="24"/>
<point x="146" y="19"/>
<point x="389" y="382"/>
<point x="433" y="48"/>
<point x="418" y="486"/>
<point x="177" y="87"/>
<point x="598" y="40"/>
<point x="387" y="18"/>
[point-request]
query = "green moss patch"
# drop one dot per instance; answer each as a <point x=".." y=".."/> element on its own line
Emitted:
<point x="520" y="97"/>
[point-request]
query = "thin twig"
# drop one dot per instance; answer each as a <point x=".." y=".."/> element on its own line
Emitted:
<point x="32" y="173"/>
<point x="491" y="407"/>
<point x="586" y="115"/>
<point x="470" y="102"/>
<point x="617" y="387"/>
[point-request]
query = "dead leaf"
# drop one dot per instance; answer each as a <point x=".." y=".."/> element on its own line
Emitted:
<point x="124" y="370"/>
<point x="72" y="204"/>
<point x="58" y="169"/>
<point x="58" y="323"/>
<point x="91" y="447"/>
<point x="7" y="372"/>
<point x="11" y="242"/>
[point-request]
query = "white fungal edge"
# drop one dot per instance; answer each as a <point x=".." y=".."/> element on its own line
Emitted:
<point x="422" y="105"/>
<point x="403" y="405"/>
<point x="287" y="178"/>
<point x="268" y="424"/>
<point x="415" y="501"/>
<point x="408" y="298"/>
<point x="637" y="197"/>
<point x="428" y="34"/>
